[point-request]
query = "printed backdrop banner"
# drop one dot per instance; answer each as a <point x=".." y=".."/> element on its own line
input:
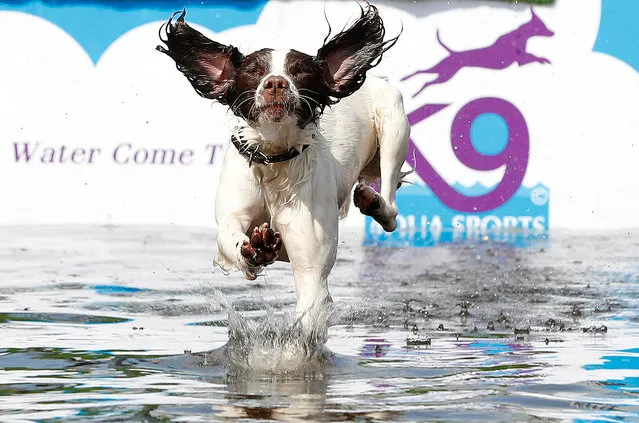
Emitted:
<point x="522" y="118"/>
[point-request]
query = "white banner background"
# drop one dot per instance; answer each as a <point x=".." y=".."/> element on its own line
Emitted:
<point x="581" y="111"/>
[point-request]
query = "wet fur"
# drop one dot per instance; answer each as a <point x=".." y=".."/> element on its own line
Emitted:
<point x="280" y="100"/>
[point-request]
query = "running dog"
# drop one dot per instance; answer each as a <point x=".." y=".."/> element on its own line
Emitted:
<point x="287" y="178"/>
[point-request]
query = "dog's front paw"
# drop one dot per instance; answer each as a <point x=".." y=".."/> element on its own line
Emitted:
<point x="366" y="199"/>
<point x="261" y="250"/>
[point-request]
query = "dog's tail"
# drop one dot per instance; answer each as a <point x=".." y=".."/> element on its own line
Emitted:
<point x="439" y="40"/>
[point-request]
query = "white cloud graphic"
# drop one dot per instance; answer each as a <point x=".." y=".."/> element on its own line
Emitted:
<point x="581" y="111"/>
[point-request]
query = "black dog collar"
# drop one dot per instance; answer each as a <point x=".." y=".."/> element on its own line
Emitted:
<point x="256" y="156"/>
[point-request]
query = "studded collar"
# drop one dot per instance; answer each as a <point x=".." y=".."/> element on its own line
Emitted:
<point x="255" y="155"/>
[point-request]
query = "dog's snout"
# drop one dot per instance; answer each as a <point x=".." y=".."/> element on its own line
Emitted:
<point x="275" y="83"/>
<point x="274" y="97"/>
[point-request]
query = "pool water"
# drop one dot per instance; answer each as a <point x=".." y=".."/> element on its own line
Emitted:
<point x="132" y="324"/>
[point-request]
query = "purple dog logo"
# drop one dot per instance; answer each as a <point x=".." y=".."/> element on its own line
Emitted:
<point x="508" y="49"/>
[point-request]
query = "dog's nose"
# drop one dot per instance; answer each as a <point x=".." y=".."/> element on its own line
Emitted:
<point x="273" y="84"/>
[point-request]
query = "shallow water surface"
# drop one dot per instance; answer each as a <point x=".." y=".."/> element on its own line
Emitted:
<point x="132" y="324"/>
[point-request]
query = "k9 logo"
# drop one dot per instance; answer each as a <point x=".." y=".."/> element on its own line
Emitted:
<point x="513" y="155"/>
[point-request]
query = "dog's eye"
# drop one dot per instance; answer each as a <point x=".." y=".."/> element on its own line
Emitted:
<point x="300" y="68"/>
<point x="257" y="69"/>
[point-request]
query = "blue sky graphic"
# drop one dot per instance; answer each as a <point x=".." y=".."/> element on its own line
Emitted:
<point x="97" y="24"/>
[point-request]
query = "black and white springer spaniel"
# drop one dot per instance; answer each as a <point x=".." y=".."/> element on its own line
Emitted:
<point x="288" y="178"/>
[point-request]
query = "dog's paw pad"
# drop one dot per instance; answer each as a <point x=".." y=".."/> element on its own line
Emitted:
<point x="263" y="246"/>
<point x="366" y="199"/>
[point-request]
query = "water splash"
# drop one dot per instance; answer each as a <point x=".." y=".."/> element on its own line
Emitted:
<point x="275" y="344"/>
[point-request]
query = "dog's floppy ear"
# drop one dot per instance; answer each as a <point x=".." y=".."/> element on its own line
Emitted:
<point x="351" y="53"/>
<point x="207" y="64"/>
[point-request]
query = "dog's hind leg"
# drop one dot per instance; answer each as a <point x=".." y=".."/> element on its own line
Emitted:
<point x="393" y="130"/>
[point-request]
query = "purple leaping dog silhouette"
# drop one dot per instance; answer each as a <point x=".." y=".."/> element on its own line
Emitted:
<point x="508" y="49"/>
